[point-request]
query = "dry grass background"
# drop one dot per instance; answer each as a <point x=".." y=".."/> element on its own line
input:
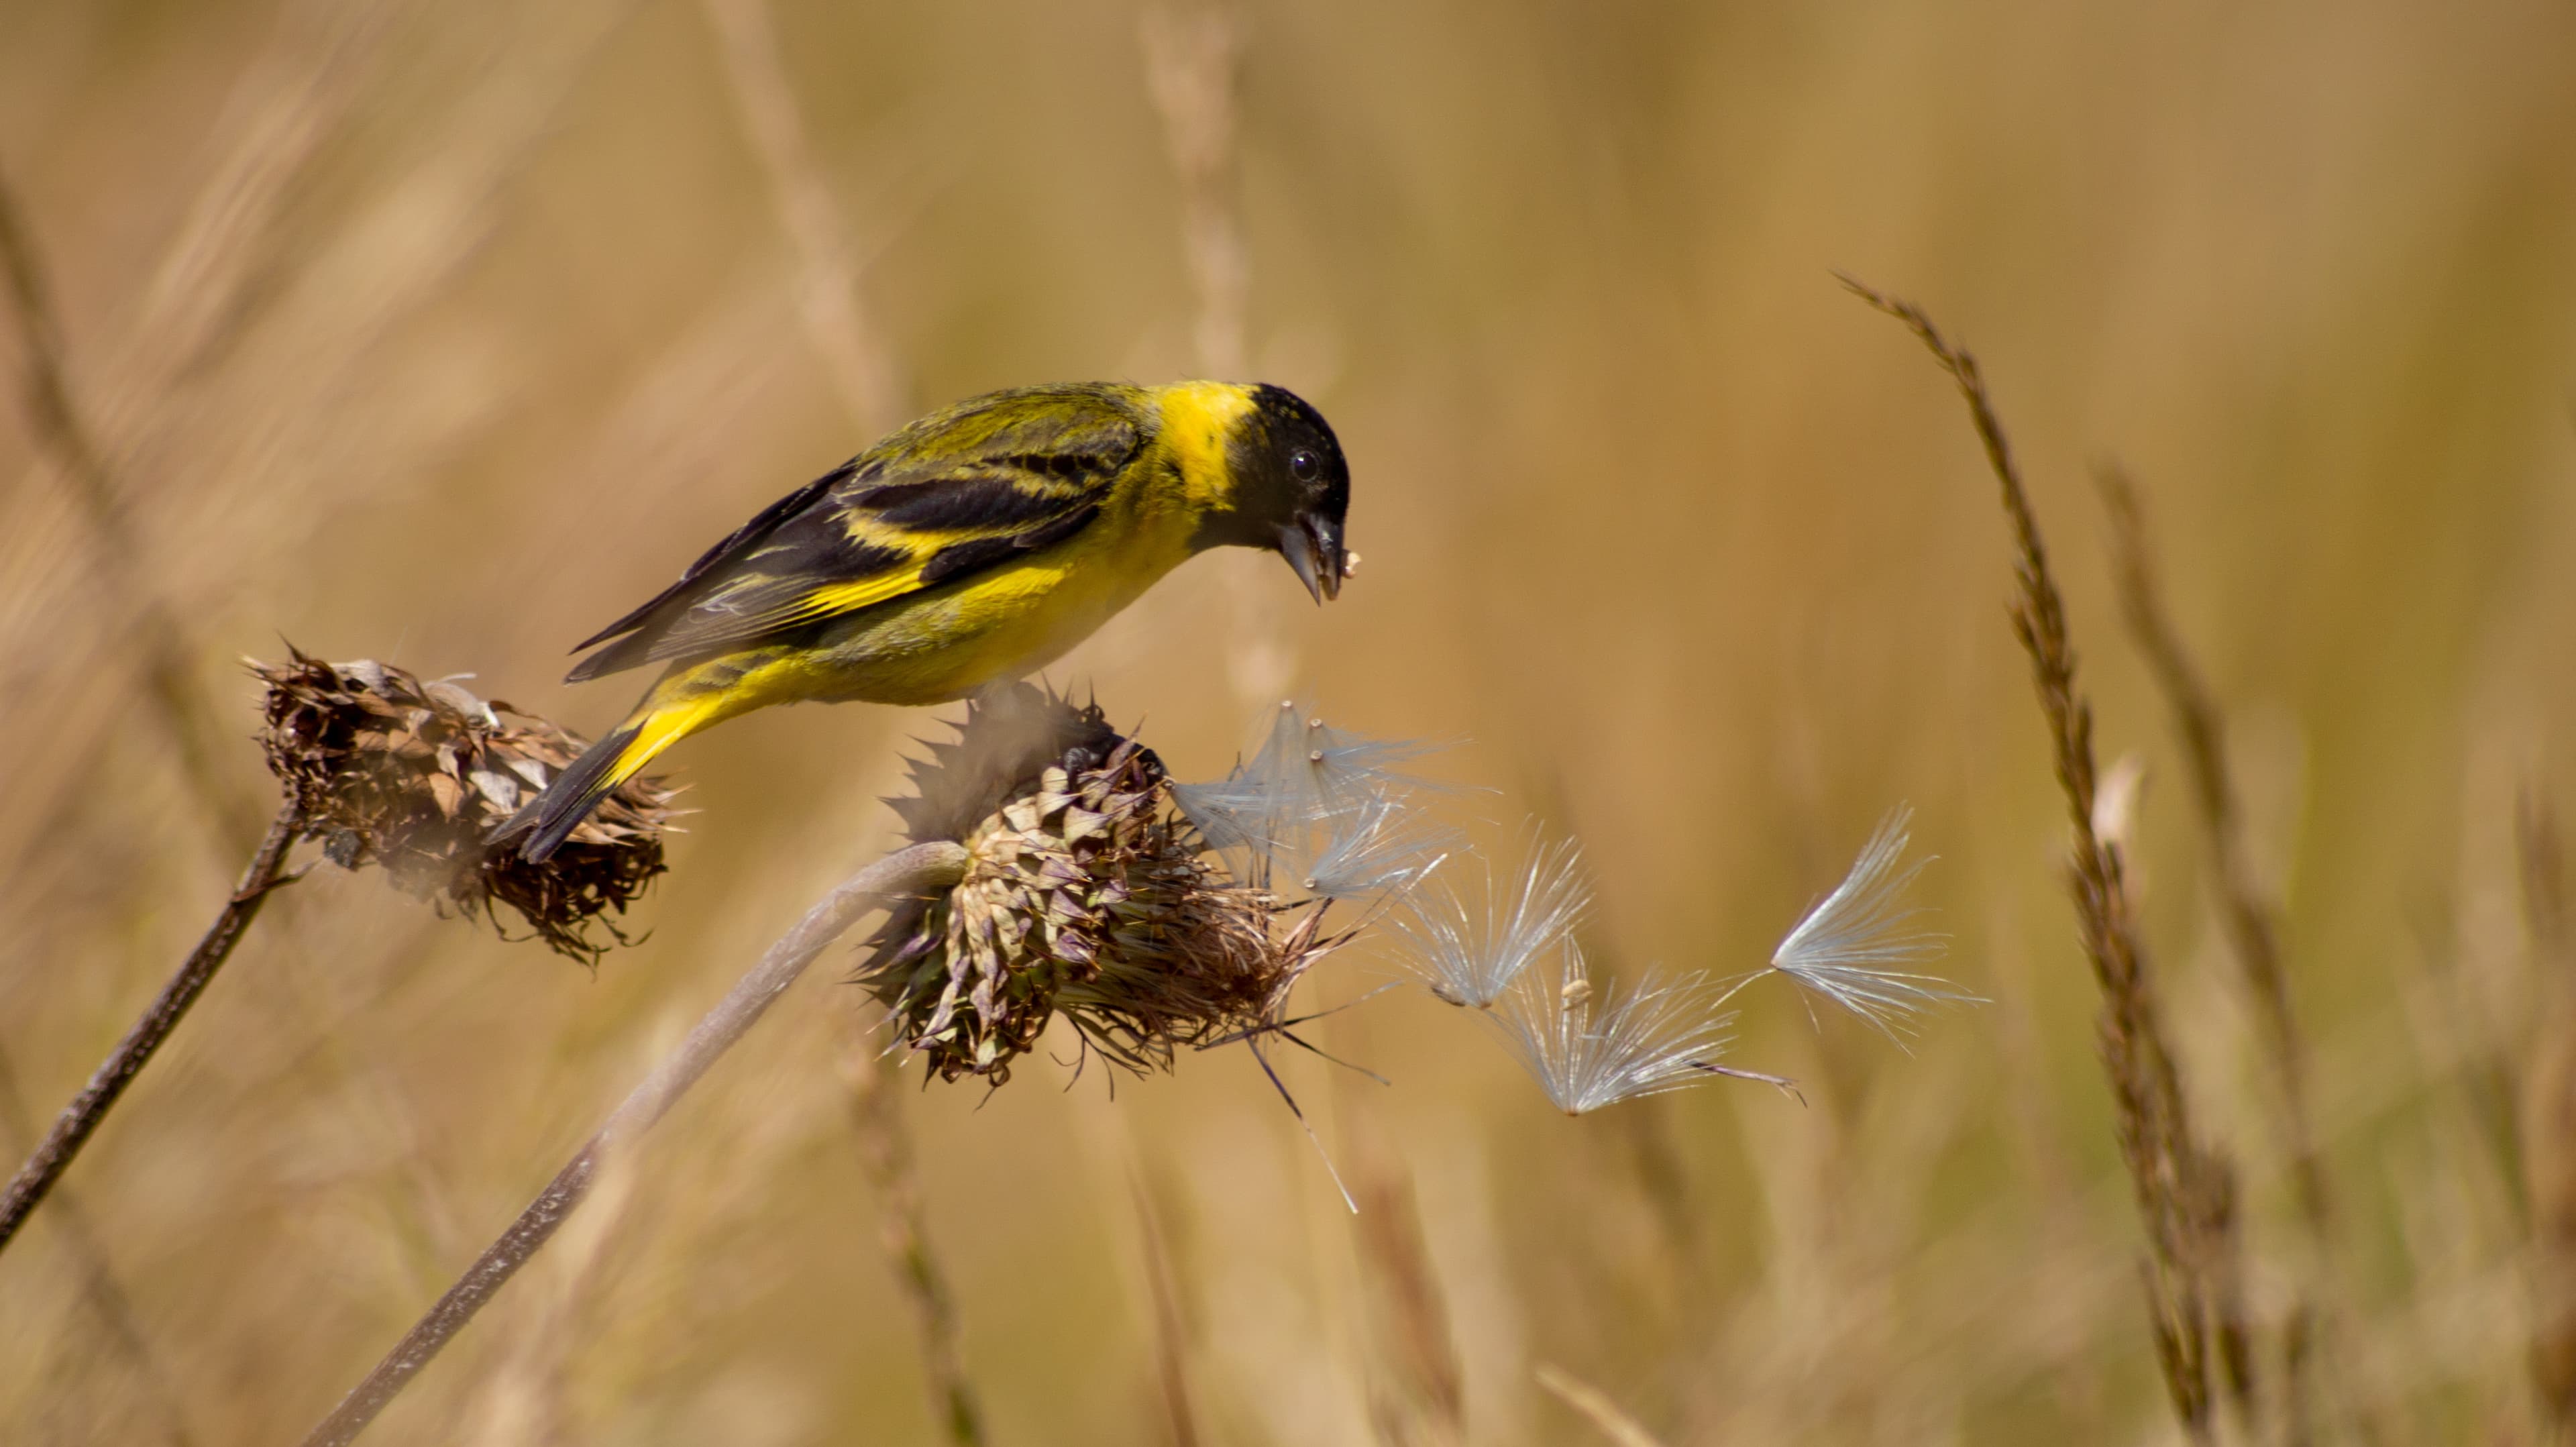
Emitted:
<point x="441" y="333"/>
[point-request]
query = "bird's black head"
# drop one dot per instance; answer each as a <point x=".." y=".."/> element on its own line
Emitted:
<point x="1291" y="488"/>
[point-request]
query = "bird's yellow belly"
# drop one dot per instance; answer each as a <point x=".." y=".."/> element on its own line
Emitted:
<point x="994" y="627"/>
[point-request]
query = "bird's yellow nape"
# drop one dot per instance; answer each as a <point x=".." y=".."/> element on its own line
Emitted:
<point x="1199" y="418"/>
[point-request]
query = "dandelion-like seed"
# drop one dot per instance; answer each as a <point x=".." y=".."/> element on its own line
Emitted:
<point x="1471" y="961"/>
<point x="1315" y="801"/>
<point x="1382" y="847"/>
<point x="385" y="769"/>
<point x="1852" y="946"/>
<point x="1589" y="1046"/>
<point x="1087" y="894"/>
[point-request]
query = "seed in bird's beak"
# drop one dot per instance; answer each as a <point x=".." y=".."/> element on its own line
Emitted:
<point x="1315" y="554"/>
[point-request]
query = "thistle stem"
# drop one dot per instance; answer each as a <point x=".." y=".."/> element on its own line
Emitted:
<point x="80" y="1119"/>
<point x="923" y="866"/>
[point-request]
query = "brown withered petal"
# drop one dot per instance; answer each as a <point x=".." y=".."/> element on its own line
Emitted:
<point x="1086" y="894"/>
<point x="386" y="769"/>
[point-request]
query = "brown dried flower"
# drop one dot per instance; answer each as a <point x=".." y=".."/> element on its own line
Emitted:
<point x="1087" y="893"/>
<point x="386" y="769"/>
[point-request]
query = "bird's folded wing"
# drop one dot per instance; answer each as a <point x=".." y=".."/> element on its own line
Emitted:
<point x="943" y="500"/>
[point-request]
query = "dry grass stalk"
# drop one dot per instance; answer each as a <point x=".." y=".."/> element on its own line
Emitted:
<point x="1171" y="1326"/>
<point x="1595" y="1407"/>
<point x="99" y="1285"/>
<point x="207" y="284"/>
<point x="1193" y="72"/>
<point x="225" y="370"/>
<point x="82" y="462"/>
<point x="2250" y="916"/>
<point x="1192" y="58"/>
<point x="886" y="1153"/>
<point x="827" y="288"/>
<point x="2549" y="1112"/>
<point x="920" y="867"/>
<point x="2185" y="1189"/>
<point x="1416" y="1339"/>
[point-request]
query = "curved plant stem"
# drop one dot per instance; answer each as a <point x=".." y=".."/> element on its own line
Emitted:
<point x="81" y="1118"/>
<point x="923" y="866"/>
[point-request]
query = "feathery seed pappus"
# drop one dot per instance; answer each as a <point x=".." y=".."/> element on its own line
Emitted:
<point x="970" y="548"/>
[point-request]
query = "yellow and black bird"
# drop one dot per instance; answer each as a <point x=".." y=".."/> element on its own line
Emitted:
<point x="969" y="548"/>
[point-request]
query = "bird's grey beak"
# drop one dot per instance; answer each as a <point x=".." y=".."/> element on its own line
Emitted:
<point x="1313" y="546"/>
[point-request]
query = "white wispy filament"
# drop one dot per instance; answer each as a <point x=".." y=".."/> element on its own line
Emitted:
<point x="1469" y="961"/>
<point x="1589" y="1048"/>
<point x="1309" y="778"/>
<point x="1852" y="947"/>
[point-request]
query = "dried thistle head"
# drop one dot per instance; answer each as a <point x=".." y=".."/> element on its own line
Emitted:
<point x="386" y="769"/>
<point x="1087" y="893"/>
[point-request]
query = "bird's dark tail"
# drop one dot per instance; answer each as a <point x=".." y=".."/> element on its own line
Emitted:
<point x="666" y="716"/>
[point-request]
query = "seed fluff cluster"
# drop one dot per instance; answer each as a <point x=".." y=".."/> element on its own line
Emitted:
<point x="1588" y="1047"/>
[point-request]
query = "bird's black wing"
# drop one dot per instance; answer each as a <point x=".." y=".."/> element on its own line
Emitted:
<point x="950" y="496"/>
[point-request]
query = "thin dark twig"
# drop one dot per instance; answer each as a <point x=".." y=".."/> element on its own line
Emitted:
<point x="79" y="1119"/>
<point x="922" y="866"/>
<point x="83" y="463"/>
<point x="2185" y="1189"/>
<point x="828" y="299"/>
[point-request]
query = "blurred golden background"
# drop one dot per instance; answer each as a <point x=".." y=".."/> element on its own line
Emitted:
<point x="442" y="334"/>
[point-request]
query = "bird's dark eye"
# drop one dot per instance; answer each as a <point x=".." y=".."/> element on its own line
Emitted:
<point x="1303" y="466"/>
